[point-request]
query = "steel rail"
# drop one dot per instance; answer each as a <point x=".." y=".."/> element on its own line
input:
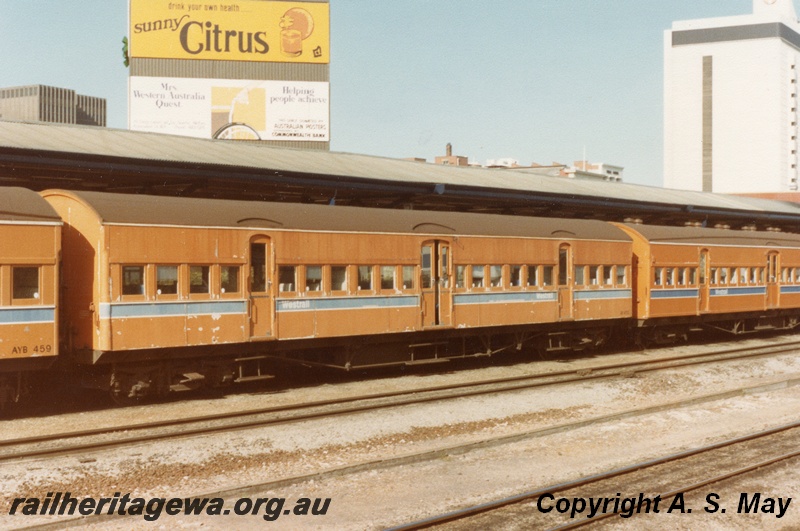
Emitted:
<point x="595" y="478"/>
<point x="478" y="388"/>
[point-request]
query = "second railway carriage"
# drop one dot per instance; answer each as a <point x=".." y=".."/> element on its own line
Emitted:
<point x="30" y="246"/>
<point x="164" y="291"/>
<point x="737" y="281"/>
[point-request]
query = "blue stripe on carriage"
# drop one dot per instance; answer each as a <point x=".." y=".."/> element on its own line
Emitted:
<point x="674" y="293"/>
<point x="27" y="315"/>
<point x="494" y="298"/>
<point x="170" y="309"/>
<point x="790" y="289"/>
<point x="346" y="303"/>
<point x="602" y="294"/>
<point x="730" y="292"/>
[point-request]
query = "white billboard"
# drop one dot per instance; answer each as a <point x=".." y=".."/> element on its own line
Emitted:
<point x="233" y="109"/>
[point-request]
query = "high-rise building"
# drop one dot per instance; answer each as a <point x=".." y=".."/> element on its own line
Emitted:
<point x="40" y="103"/>
<point x="731" y="101"/>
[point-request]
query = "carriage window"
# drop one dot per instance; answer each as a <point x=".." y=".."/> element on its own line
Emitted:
<point x="723" y="276"/>
<point x="258" y="267"/>
<point x="387" y="277"/>
<point x="477" y="276"/>
<point x="286" y="278"/>
<point x="580" y="271"/>
<point x="532" y="275"/>
<point x="682" y="276"/>
<point x="621" y="278"/>
<point x="408" y="277"/>
<point x="427" y="267"/>
<point x="594" y="275"/>
<point x="516" y="276"/>
<point x="714" y="276"/>
<point x="659" y="276"/>
<point x="797" y="274"/>
<point x="734" y="276"/>
<point x="198" y="279"/>
<point x="365" y="278"/>
<point x="26" y="282"/>
<point x="339" y="278"/>
<point x="133" y="280"/>
<point x="743" y="276"/>
<point x="313" y="278"/>
<point x="761" y="275"/>
<point x="460" y="275"/>
<point x="693" y="276"/>
<point x="669" y="279"/>
<point x="167" y="280"/>
<point x="229" y="279"/>
<point x="547" y="275"/>
<point x="608" y="275"/>
<point x="753" y="275"/>
<point x="496" y="276"/>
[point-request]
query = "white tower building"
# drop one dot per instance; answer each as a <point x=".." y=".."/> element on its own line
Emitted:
<point x="731" y="101"/>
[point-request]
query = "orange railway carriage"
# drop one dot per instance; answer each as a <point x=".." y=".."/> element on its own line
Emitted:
<point x="159" y="289"/>
<point x="30" y="245"/>
<point x="738" y="281"/>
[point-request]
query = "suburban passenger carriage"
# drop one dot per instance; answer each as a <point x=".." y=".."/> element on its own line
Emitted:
<point x="30" y="243"/>
<point x="159" y="289"/>
<point x="738" y="281"/>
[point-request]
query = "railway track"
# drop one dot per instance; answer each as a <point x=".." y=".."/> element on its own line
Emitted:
<point x="255" y="489"/>
<point x="111" y="437"/>
<point x="666" y="479"/>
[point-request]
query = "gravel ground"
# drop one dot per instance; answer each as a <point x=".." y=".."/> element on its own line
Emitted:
<point x="378" y="498"/>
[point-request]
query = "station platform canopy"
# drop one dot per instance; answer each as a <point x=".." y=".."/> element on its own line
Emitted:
<point x="45" y="155"/>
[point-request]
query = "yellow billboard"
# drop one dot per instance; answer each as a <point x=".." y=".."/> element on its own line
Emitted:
<point x="243" y="30"/>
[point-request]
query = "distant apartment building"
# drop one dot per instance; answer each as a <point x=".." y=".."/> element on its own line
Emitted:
<point x="41" y="103"/>
<point x="731" y="104"/>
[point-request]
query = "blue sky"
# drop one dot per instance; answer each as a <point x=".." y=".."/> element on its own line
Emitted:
<point x="533" y="80"/>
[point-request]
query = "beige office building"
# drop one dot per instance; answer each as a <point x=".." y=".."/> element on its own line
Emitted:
<point x="41" y="103"/>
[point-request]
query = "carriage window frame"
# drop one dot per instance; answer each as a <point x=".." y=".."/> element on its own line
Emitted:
<point x="495" y="279"/>
<point x="159" y="288"/>
<point x="461" y="272"/>
<point x="621" y="275"/>
<point x="382" y="279"/>
<point x="547" y="276"/>
<point x="22" y="292"/>
<point x="608" y="275"/>
<point x="125" y="291"/>
<point x="408" y="276"/>
<point x="515" y="276"/>
<point x="532" y="276"/>
<point x="196" y="290"/>
<point x="228" y="288"/>
<point x="286" y="271"/>
<point x="312" y="285"/>
<point x="477" y="273"/>
<point x="367" y="288"/>
<point x="339" y="285"/>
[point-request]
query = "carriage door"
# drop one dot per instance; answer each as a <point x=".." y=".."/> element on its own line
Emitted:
<point x="565" y="282"/>
<point x="260" y="303"/>
<point x="704" y="289"/>
<point x="436" y="284"/>
<point x="773" y="288"/>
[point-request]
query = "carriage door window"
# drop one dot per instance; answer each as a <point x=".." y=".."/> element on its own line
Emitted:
<point x="704" y="289"/>
<point x="773" y="289"/>
<point x="427" y="267"/>
<point x="435" y="284"/>
<point x="565" y="310"/>
<point x="260" y="304"/>
<point x="563" y="265"/>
